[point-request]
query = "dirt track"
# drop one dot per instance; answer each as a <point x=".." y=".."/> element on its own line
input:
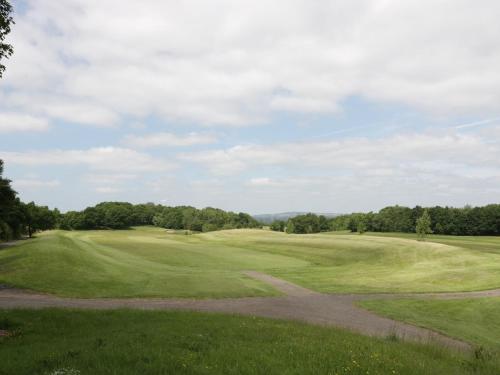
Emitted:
<point x="297" y="303"/>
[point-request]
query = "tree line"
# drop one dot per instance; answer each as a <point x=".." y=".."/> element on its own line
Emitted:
<point x="466" y="221"/>
<point x="121" y="215"/>
<point x="18" y="218"/>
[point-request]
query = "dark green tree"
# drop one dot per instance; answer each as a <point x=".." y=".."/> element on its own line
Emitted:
<point x="308" y="223"/>
<point x="6" y="21"/>
<point x="423" y="226"/>
<point x="38" y="218"/>
<point x="362" y="224"/>
<point x="278" y="226"/>
<point x="9" y="210"/>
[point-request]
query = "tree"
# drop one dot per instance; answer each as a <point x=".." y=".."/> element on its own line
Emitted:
<point x="6" y="21"/>
<point x="324" y="225"/>
<point x="423" y="226"/>
<point x="116" y="217"/>
<point x="8" y="204"/>
<point x="340" y="222"/>
<point x="308" y="223"/>
<point x="38" y="218"/>
<point x="278" y="226"/>
<point x="361" y="224"/>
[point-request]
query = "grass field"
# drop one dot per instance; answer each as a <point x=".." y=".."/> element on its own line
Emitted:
<point x="474" y="320"/>
<point x="482" y="243"/>
<point x="151" y="262"/>
<point x="138" y="342"/>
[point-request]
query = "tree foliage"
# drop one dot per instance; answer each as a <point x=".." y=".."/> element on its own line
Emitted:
<point x="423" y="225"/>
<point x="308" y="223"/>
<point x="37" y="218"/>
<point x="466" y="221"/>
<point x="6" y="21"/>
<point x="18" y="218"/>
<point x="10" y="213"/>
<point x="278" y="226"/>
<point x="205" y="220"/>
<point x="121" y="215"/>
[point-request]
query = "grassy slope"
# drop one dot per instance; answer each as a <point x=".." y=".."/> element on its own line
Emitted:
<point x="478" y="243"/>
<point x="354" y="263"/>
<point x="150" y="262"/>
<point x="473" y="320"/>
<point x="138" y="342"/>
<point x="125" y="263"/>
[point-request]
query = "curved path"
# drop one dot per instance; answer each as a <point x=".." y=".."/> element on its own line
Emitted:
<point x="297" y="303"/>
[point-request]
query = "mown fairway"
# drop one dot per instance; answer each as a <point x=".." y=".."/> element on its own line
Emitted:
<point x="139" y="342"/>
<point x="474" y="320"/>
<point x="151" y="262"/>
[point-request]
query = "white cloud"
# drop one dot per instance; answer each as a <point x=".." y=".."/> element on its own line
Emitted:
<point x="237" y="158"/>
<point x="492" y="133"/>
<point x="262" y="181"/>
<point x="66" y="108"/>
<point x="478" y="123"/>
<point x="107" y="190"/>
<point x="109" y="178"/>
<point x="17" y="122"/>
<point x="168" y="139"/>
<point x="411" y="153"/>
<point x="113" y="159"/>
<point x="235" y="62"/>
<point x="80" y="112"/>
<point x="361" y="173"/>
<point x="32" y="183"/>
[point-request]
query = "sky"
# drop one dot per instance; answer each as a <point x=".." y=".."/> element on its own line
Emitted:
<point x="255" y="106"/>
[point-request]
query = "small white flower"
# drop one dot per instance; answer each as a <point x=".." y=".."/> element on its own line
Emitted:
<point x="65" y="371"/>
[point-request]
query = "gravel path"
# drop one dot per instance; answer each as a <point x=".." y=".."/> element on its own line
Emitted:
<point x="297" y="303"/>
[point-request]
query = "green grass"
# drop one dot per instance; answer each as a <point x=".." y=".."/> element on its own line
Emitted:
<point x="482" y="243"/>
<point x="151" y="262"/>
<point x="139" y="342"/>
<point x="474" y="320"/>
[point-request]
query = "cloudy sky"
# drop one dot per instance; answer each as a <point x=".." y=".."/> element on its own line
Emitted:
<point x="260" y="106"/>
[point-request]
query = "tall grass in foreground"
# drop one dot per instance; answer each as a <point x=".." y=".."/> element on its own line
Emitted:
<point x="123" y="342"/>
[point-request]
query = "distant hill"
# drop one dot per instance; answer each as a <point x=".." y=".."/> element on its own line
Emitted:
<point x="269" y="218"/>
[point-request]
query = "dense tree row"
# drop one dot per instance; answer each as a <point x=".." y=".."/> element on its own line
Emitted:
<point x="204" y="220"/>
<point x="18" y="218"/>
<point x="443" y="220"/>
<point x="109" y="215"/>
<point x="308" y="223"/>
<point x="120" y="215"/>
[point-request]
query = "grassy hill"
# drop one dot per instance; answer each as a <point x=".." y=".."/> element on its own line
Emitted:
<point x="151" y="262"/>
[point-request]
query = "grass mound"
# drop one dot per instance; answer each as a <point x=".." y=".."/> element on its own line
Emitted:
<point x="150" y="262"/>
